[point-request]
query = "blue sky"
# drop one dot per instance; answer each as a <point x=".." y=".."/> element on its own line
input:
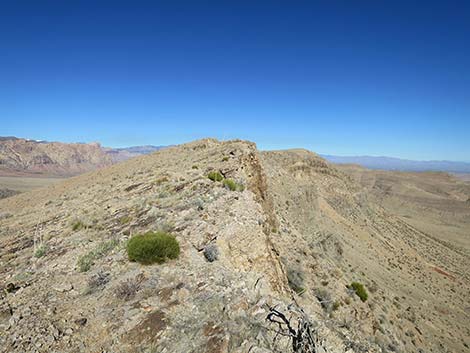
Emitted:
<point x="338" y="77"/>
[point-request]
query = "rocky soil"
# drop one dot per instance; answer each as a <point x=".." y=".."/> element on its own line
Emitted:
<point x="288" y="244"/>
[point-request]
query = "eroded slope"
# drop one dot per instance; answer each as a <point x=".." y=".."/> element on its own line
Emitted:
<point x="333" y="233"/>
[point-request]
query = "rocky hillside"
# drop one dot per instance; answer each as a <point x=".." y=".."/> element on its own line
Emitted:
<point x="267" y="267"/>
<point x="27" y="157"/>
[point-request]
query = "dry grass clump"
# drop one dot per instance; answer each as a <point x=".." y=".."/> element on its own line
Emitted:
<point x="126" y="290"/>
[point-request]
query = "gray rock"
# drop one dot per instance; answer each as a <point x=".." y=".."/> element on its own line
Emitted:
<point x="211" y="252"/>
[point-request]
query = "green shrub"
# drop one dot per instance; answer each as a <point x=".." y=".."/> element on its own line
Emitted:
<point x="40" y="251"/>
<point x="85" y="262"/>
<point x="215" y="176"/>
<point x="360" y="290"/>
<point x="233" y="186"/>
<point x="153" y="247"/>
<point x="225" y="159"/>
<point x="194" y="167"/>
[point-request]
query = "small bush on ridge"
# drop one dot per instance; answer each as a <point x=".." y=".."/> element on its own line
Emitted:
<point x="153" y="247"/>
<point x="215" y="176"/>
<point x="232" y="185"/>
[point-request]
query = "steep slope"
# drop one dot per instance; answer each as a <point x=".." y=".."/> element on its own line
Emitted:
<point x="419" y="286"/>
<point x="26" y="157"/>
<point x="291" y="241"/>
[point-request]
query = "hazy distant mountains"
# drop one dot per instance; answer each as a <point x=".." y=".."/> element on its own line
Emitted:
<point x="19" y="156"/>
<point x="389" y="163"/>
<point x="121" y="154"/>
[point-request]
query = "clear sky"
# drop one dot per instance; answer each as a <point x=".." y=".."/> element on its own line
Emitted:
<point x="339" y="77"/>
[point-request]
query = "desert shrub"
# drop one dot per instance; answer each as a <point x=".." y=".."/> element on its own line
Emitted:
<point x="77" y="225"/>
<point x="86" y="261"/>
<point x="359" y="290"/>
<point x="232" y="185"/>
<point x="127" y="289"/>
<point x="336" y="305"/>
<point x="324" y="297"/>
<point x="153" y="247"/>
<point x="215" y="176"/>
<point x="96" y="281"/>
<point x="40" y="251"/>
<point x="225" y="159"/>
<point x="211" y="252"/>
<point x="295" y="279"/>
<point x="194" y="167"/>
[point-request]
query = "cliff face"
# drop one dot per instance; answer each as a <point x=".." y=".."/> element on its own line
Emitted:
<point x="27" y="157"/>
<point x="288" y="246"/>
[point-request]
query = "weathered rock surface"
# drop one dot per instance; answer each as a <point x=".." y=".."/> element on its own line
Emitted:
<point x="292" y="241"/>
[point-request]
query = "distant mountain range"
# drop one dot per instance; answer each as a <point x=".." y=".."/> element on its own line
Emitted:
<point x="19" y="156"/>
<point x="390" y="163"/>
<point x="24" y="157"/>
<point x="121" y="154"/>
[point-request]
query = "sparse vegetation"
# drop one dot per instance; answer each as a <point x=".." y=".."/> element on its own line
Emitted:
<point x="295" y="278"/>
<point x="359" y="290"/>
<point x="324" y="297"/>
<point x="125" y="219"/>
<point x="225" y="159"/>
<point x="215" y="176"/>
<point x="153" y="247"/>
<point x="97" y="281"/>
<point x="232" y="185"/>
<point x="127" y="289"/>
<point x="77" y="225"/>
<point x="336" y="305"/>
<point x="161" y="180"/>
<point x="194" y="167"/>
<point x="40" y="251"/>
<point x="85" y="262"/>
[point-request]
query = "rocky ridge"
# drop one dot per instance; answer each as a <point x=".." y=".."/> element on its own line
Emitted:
<point x="291" y="242"/>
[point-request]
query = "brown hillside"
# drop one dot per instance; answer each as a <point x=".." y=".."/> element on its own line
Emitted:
<point x="27" y="157"/>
